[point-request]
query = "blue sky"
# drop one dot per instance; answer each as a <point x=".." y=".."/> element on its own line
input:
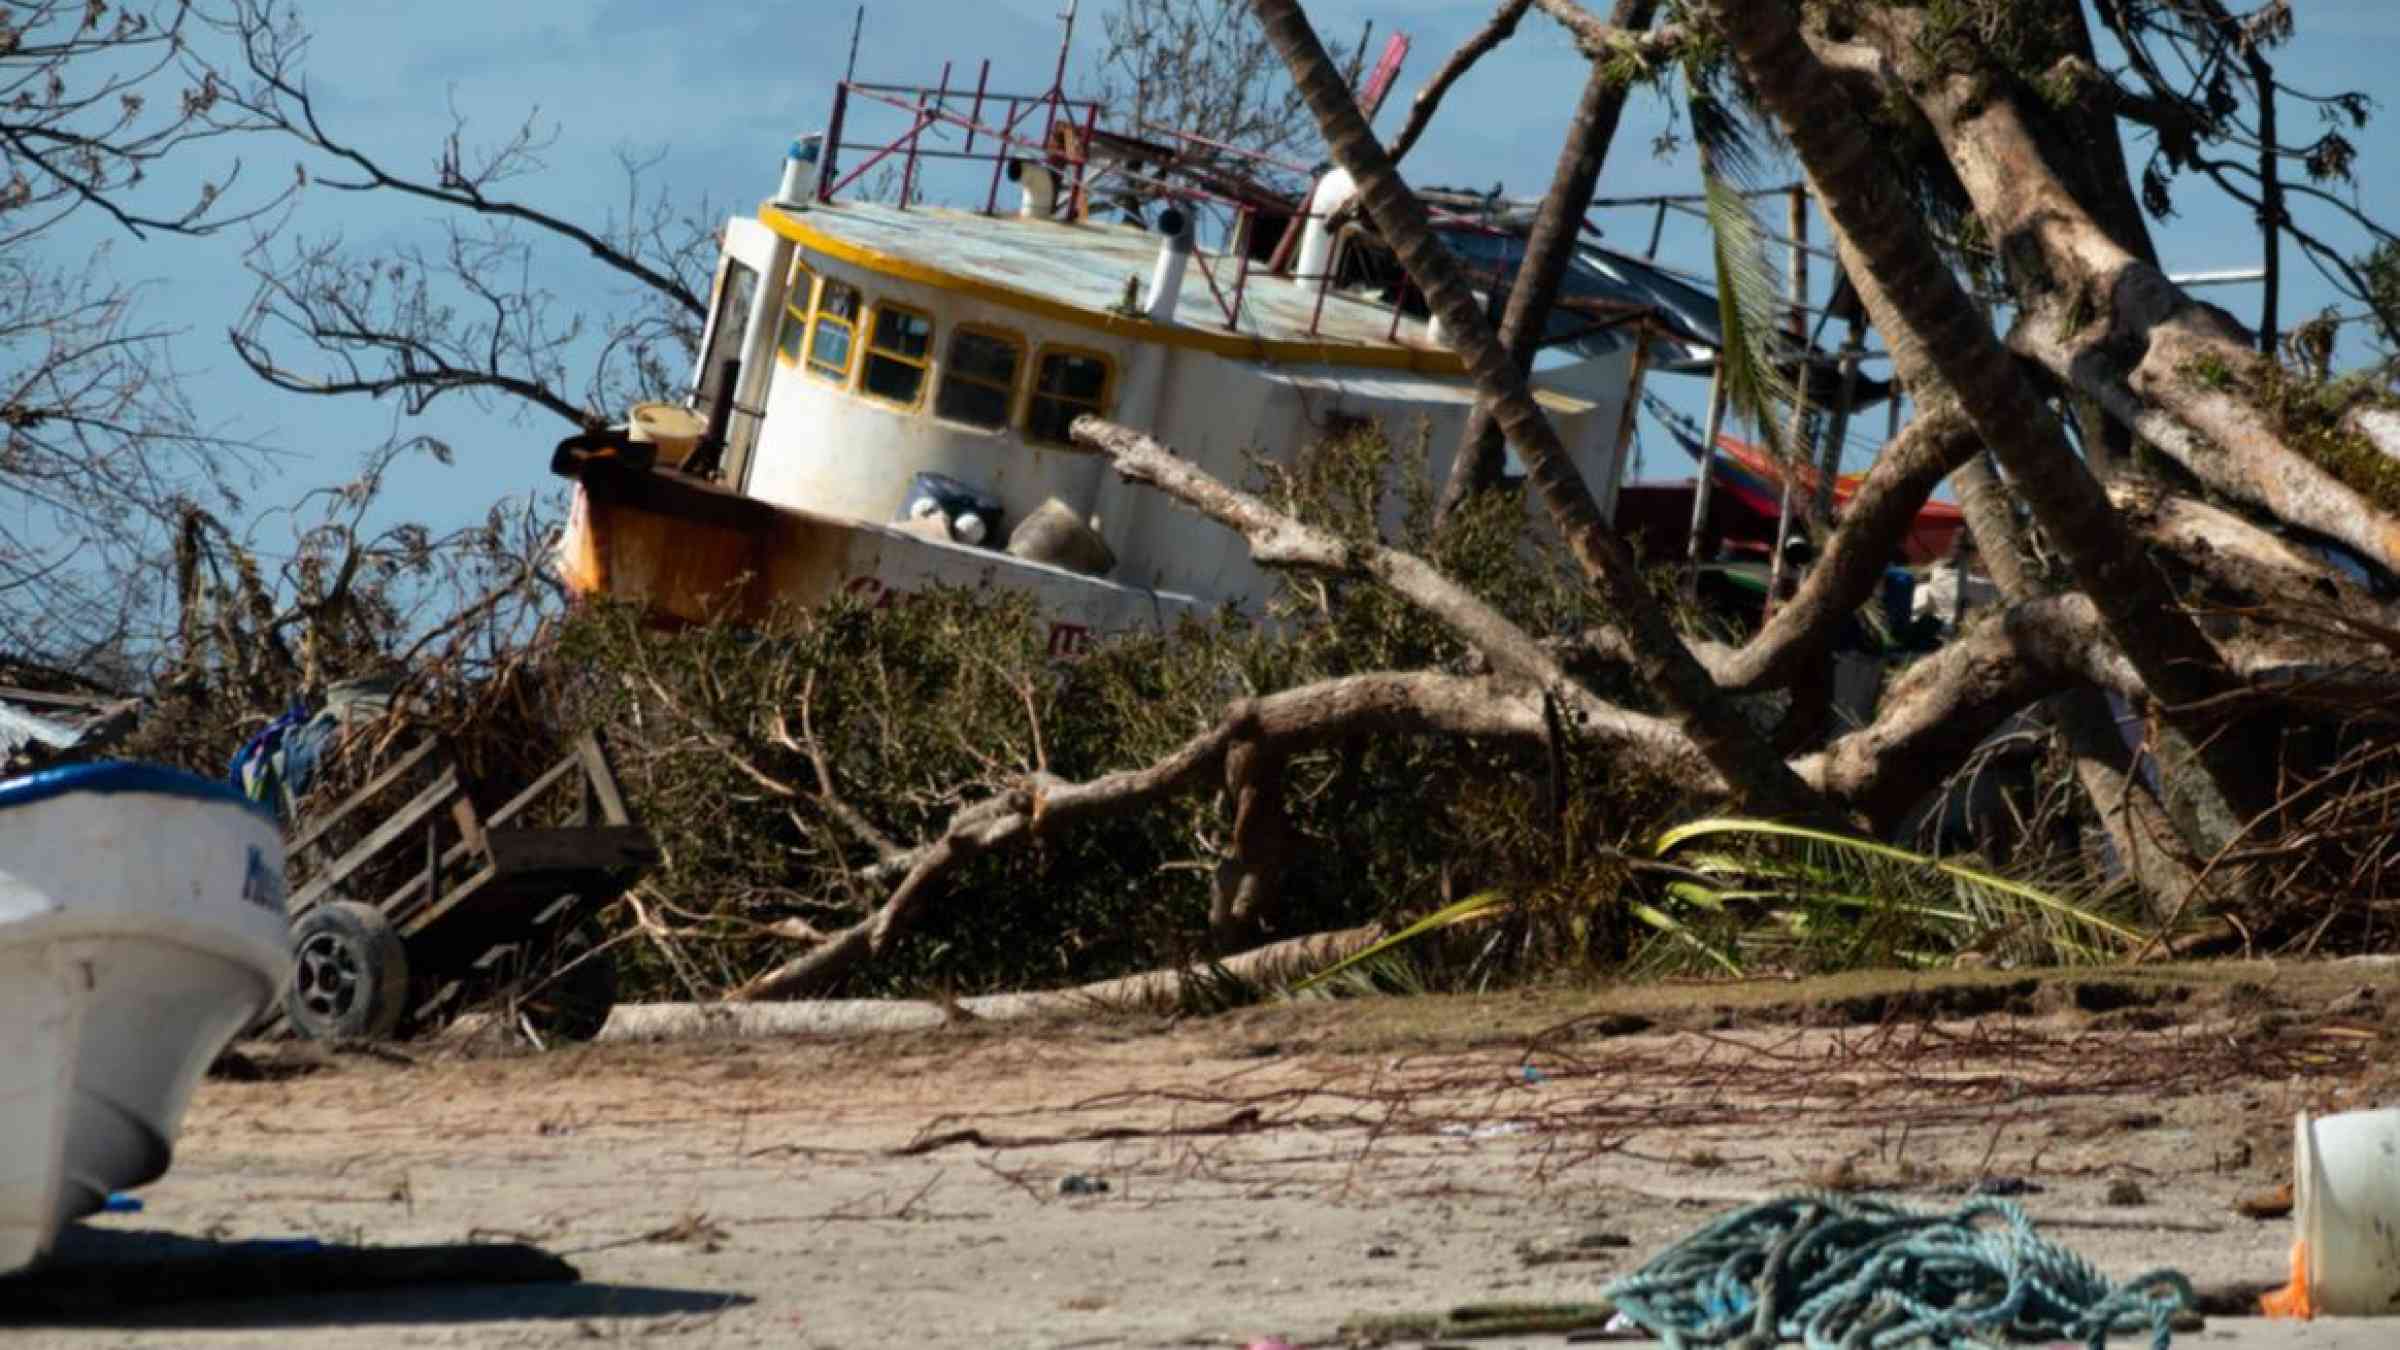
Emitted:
<point x="719" y="88"/>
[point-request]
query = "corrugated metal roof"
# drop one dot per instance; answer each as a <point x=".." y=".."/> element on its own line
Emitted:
<point x="41" y="725"/>
<point x="20" y="728"/>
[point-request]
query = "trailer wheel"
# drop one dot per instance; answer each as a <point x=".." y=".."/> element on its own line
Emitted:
<point x="570" y="997"/>
<point x="349" y="974"/>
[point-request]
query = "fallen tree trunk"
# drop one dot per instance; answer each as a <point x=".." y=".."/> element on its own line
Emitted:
<point x="1937" y="440"/>
<point x="1277" y="540"/>
<point x="1941" y="708"/>
<point x="2123" y="798"/>
<point x="1384" y="704"/>
<point x="2220" y="439"/>
<point x="1275" y="965"/>
<point x="1933" y="718"/>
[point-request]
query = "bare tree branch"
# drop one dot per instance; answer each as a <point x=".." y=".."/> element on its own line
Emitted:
<point x="92" y="103"/>
<point x="279" y="98"/>
<point x="1389" y="704"/>
<point x="1616" y="37"/>
<point x="1498" y="29"/>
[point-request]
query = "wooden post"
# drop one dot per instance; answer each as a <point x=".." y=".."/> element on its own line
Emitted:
<point x="1708" y="464"/>
<point x="1633" y="396"/>
<point x="433" y="860"/>
<point x="1829" y="459"/>
<point x="1795" y="442"/>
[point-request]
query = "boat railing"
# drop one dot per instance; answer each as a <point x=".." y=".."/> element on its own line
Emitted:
<point x="1224" y="148"/>
<point x="931" y="106"/>
<point x="998" y="128"/>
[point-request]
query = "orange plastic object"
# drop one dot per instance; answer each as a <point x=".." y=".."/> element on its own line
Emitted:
<point x="2292" y="1299"/>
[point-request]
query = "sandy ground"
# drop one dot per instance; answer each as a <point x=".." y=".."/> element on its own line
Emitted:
<point x="1277" y="1171"/>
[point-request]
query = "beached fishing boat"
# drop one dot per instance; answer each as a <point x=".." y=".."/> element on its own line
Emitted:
<point x="885" y="388"/>
<point x="141" y="927"/>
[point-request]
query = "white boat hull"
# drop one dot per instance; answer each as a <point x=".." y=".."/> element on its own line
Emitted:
<point x="141" y="928"/>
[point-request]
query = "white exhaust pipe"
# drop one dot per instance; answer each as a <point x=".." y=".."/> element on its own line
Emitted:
<point x="1166" y="276"/>
<point x="1040" y="186"/>
<point x="800" y="164"/>
<point x="1333" y="191"/>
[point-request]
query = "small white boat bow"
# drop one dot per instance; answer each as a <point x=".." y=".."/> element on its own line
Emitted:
<point x="141" y="928"/>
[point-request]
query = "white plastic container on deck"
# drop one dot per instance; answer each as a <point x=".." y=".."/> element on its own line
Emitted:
<point x="2346" y="1205"/>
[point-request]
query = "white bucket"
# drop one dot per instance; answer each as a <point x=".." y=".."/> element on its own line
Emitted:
<point x="2346" y="1203"/>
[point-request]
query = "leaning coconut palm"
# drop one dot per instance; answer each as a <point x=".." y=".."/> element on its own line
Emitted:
<point x="1658" y="654"/>
<point x="2215" y="788"/>
<point x="1550" y="245"/>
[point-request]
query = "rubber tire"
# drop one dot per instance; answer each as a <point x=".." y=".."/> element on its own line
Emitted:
<point x="349" y="974"/>
<point x="574" y="1006"/>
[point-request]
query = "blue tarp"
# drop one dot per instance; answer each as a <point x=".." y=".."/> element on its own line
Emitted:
<point x="280" y="762"/>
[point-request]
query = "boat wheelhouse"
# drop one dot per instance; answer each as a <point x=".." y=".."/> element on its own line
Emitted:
<point x="885" y="387"/>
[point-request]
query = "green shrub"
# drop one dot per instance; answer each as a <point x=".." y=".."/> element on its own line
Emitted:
<point x="920" y="708"/>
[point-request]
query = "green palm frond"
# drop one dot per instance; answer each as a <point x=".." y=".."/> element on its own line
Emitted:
<point x="1389" y="972"/>
<point x="1727" y="143"/>
<point x="1682" y="932"/>
<point x="1854" y="886"/>
<point x="1473" y="907"/>
<point x="1749" y="288"/>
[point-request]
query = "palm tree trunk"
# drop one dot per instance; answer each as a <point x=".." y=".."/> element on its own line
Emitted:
<point x="2129" y="812"/>
<point x="1549" y="247"/>
<point x="1660" y="658"/>
<point x="1921" y="304"/>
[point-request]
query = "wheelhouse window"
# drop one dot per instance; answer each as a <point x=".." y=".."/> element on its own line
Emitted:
<point x="898" y="352"/>
<point x="834" y="331"/>
<point x="1066" y="385"/>
<point x="979" y="378"/>
<point x="798" y="299"/>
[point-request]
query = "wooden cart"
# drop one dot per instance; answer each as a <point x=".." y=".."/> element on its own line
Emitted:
<point x="491" y="907"/>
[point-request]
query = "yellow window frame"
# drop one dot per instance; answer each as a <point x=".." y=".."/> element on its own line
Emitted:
<point x="1033" y="386"/>
<point x="1016" y="342"/>
<point x="803" y="288"/>
<point x="819" y="319"/>
<point x="922" y="364"/>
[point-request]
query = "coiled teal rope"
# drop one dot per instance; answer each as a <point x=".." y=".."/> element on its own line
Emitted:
<point x="1837" y="1273"/>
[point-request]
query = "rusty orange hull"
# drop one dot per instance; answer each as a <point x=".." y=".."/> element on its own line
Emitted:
<point x="693" y="552"/>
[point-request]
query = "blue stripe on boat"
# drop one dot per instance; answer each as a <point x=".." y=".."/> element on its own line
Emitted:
<point x="110" y="777"/>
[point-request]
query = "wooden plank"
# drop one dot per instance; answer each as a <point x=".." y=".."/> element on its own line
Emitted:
<point x="356" y="799"/>
<point x="426" y="918"/>
<point x="515" y="806"/>
<point x="395" y="905"/>
<point x="433" y="852"/>
<point x="518" y="853"/>
<point x="390" y="831"/>
<point x="603" y="776"/>
<point x="78" y="701"/>
<point x="470" y="829"/>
